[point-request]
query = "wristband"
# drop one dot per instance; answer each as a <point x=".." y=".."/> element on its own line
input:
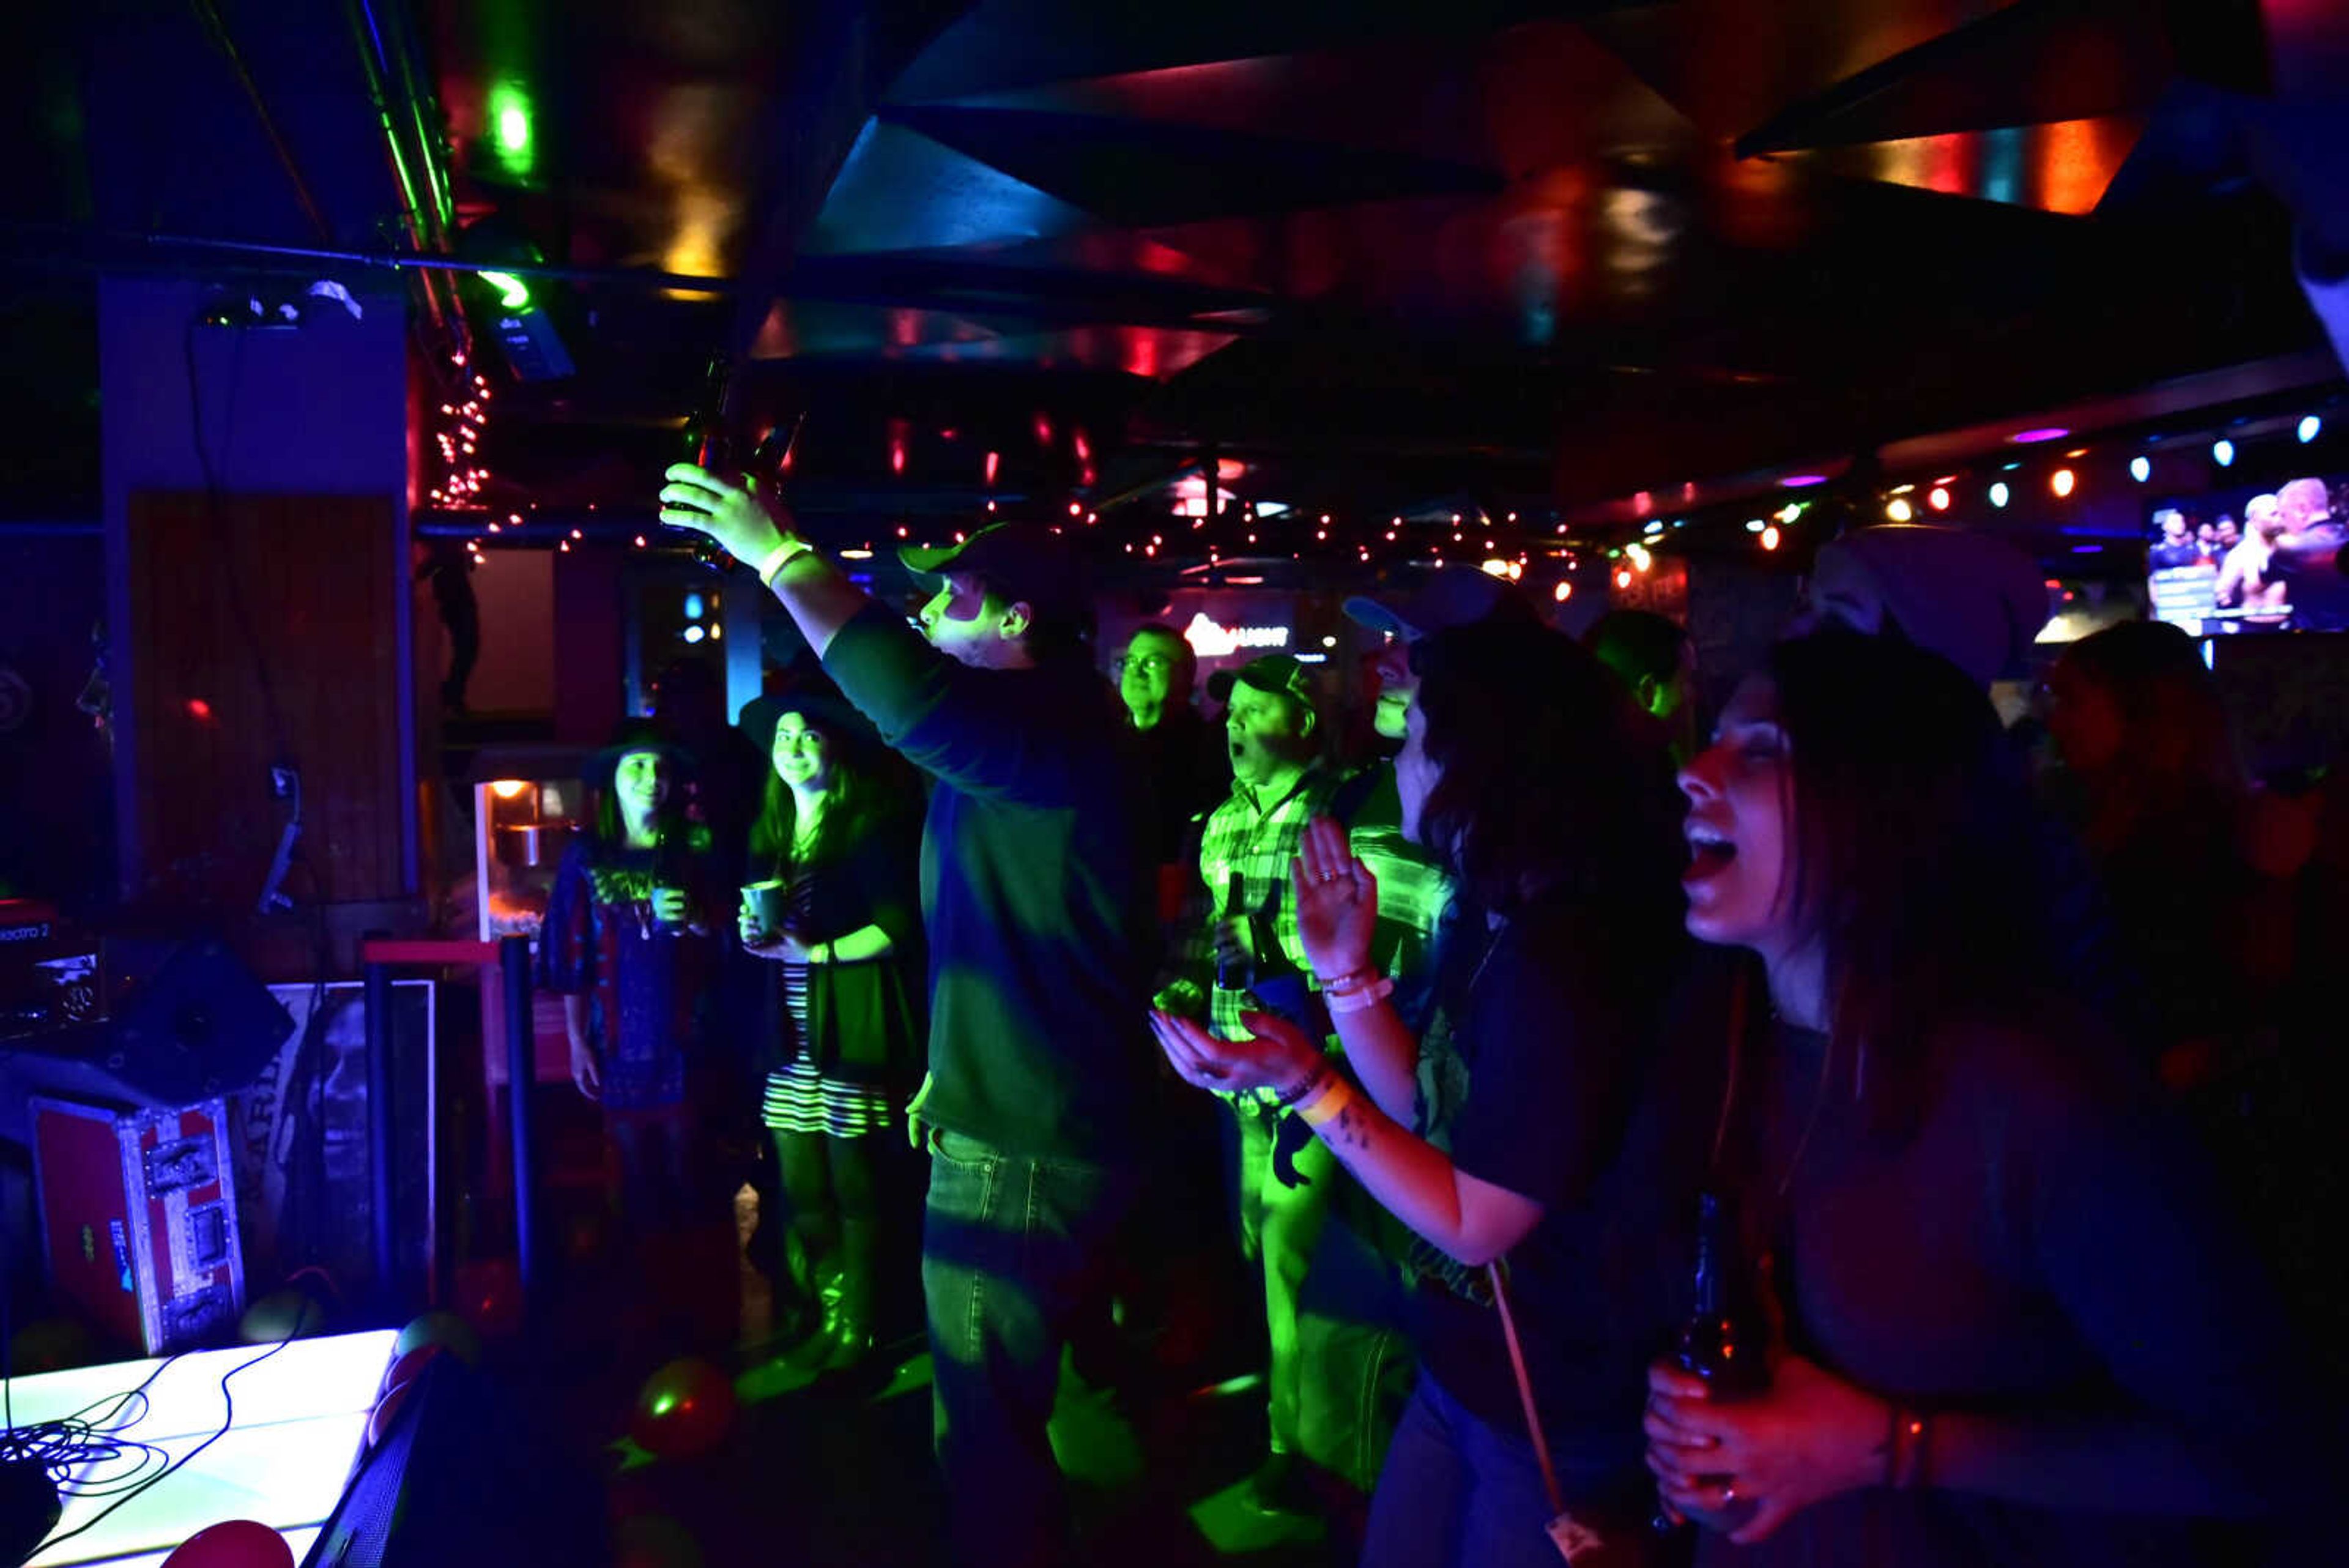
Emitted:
<point x="1304" y="1088"/>
<point x="1358" y="1000"/>
<point x="1344" y="985"/>
<point x="783" y="555"/>
<point x="1325" y="1106"/>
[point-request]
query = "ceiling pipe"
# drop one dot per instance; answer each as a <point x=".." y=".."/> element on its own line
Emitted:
<point x="209" y="14"/>
<point x="423" y="232"/>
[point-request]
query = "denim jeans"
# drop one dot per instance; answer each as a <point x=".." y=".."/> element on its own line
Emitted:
<point x="1458" y="1493"/>
<point x="1015" y="1255"/>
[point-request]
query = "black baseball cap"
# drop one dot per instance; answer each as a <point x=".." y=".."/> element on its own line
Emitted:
<point x="1024" y="562"/>
<point x="1279" y="674"/>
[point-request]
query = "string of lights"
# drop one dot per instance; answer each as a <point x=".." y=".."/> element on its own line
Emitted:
<point x="463" y="416"/>
<point x="1225" y="529"/>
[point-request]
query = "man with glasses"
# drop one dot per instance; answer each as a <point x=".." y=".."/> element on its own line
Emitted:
<point x="1182" y="758"/>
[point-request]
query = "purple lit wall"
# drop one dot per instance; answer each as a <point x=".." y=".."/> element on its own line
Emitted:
<point x="318" y="409"/>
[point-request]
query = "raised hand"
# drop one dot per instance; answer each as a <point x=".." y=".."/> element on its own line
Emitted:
<point x="1337" y="900"/>
<point x="732" y="511"/>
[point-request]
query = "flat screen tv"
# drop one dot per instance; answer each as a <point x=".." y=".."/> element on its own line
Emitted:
<point x="2244" y="561"/>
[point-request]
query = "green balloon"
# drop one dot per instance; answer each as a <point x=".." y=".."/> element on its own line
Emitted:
<point x="441" y="1328"/>
<point x="288" y="1313"/>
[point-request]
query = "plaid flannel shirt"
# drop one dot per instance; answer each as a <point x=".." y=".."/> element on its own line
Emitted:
<point x="1256" y="843"/>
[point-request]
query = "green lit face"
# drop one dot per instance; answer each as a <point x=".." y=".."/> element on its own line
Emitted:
<point x="1268" y="734"/>
<point x="802" y="755"/>
<point x="1154" y="673"/>
<point x="971" y="626"/>
<point x="1396" y="686"/>
<point x="1415" y="775"/>
<point x="641" y="782"/>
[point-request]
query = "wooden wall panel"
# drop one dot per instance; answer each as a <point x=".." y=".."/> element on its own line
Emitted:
<point x="263" y="627"/>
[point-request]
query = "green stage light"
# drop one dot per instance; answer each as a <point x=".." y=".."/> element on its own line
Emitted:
<point x="512" y="292"/>
<point x="510" y="126"/>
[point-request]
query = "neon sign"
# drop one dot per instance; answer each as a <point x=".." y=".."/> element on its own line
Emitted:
<point x="1209" y="641"/>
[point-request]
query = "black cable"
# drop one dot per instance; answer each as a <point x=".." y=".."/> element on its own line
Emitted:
<point x="223" y="539"/>
<point x="170" y="1466"/>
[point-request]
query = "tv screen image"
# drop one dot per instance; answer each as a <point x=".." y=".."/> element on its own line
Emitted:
<point x="2248" y="561"/>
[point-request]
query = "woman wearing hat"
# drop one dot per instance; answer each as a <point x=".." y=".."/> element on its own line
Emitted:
<point x="838" y="913"/>
<point x="627" y="942"/>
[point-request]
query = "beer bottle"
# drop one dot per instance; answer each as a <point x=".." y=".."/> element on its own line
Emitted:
<point x="1722" y="1340"/>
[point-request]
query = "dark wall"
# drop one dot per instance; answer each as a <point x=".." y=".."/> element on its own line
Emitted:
<point x="55" y="780"/>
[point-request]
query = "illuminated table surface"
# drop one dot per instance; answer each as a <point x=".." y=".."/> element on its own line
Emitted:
<point x="301" y="1418"/>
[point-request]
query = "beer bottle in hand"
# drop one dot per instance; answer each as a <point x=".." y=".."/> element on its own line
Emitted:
<point x="708" y="442"/>
<point x="1722" y="1341"/>
<point x="1278" y="984"/>
<point x="1233" y="968"/>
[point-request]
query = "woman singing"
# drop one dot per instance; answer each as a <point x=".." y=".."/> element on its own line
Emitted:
<point x="2015" y="1328"/>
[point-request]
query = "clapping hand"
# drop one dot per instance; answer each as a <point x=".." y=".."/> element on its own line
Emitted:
<point x="1277" y="1055"/>
<point x="1337" y="900"/>
<point x="732" y="511"/>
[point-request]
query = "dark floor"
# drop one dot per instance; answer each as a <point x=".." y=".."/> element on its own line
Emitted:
<point x="839" y="1471"/>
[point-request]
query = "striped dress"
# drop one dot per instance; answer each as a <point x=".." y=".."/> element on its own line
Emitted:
<point x="849" y="1034"/>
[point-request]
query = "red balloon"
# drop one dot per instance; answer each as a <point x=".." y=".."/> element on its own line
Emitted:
<point x="380" y="1420"/>
<point x="684" y="1409"/>
<point x="239" y="1544"/>
<point x="405" y="1369"/>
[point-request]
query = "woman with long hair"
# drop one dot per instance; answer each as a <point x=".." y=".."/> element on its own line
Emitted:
<point x="838" y="912"/>
<point x="1497" y="1135"/>
<point x="627" y="943"/>
<point x="2014" y="1327"/>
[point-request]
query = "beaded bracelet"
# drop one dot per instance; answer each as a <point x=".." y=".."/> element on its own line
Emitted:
<point x="1304" y="1088"/>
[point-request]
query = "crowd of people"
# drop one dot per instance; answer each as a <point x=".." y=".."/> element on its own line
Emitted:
<point x="2030" y="1199"/>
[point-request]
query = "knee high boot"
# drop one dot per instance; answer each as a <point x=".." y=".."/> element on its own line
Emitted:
<point x="849" y="1315"/>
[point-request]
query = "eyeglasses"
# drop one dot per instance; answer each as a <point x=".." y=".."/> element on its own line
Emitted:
<point x="1149" y="663"/>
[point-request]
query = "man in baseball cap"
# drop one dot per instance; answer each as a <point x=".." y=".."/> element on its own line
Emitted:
<point x="1022" y="563"/>
<point x="1454" y="595"/>
<point x="1245" y="955"/>
<point x="1035" y="898"/>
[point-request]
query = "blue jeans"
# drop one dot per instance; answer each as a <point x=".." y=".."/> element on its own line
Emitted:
<point x="1458" y="1493"/>
<point x="1015" y="1255"/>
